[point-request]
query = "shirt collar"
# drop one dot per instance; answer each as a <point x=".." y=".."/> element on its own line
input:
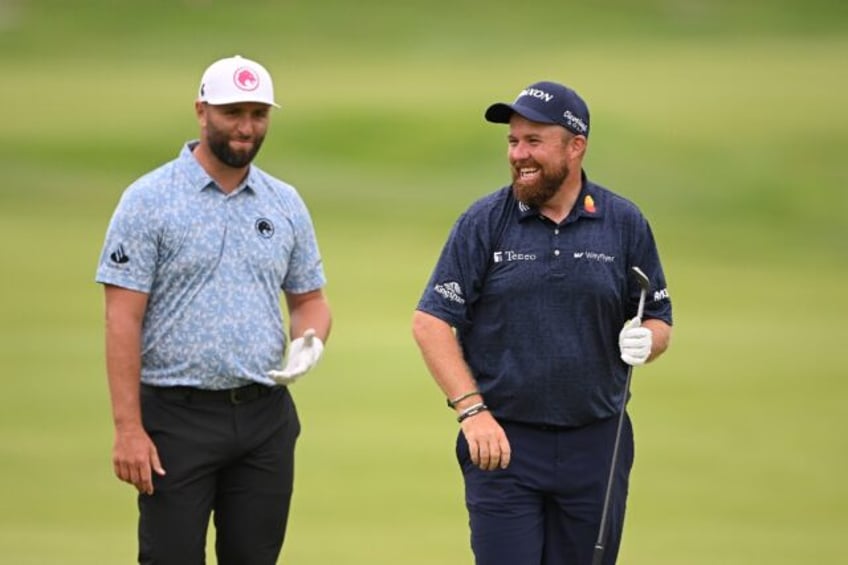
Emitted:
<point x="588" y="204"/>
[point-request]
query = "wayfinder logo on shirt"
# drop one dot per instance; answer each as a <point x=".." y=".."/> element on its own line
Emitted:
<point x="593" y="256"/>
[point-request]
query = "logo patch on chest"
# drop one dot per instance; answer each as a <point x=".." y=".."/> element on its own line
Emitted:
<point x="593" y="256"/>
<point x="509" y="256"/>
<point x="264" y="228"/>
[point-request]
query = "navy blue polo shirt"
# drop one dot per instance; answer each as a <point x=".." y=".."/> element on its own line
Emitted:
<point x="538" y="306"/>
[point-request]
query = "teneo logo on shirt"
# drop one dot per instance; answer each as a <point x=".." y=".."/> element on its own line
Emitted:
<point x="593" y="256"/>
<point x="450" y="291"/>
<point x="508" y="256"/>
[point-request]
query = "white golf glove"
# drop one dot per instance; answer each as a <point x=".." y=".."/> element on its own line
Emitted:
<point x="304" y="353"/>
<point x="635" y="342"/>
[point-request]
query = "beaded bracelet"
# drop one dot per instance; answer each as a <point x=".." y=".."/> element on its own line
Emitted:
<point x="461" y="397"/>
<point x="472" y="410"/>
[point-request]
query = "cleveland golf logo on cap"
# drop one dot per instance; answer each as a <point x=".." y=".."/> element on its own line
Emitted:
<point x="245" y="79"/>
<point x="575" y="122"/>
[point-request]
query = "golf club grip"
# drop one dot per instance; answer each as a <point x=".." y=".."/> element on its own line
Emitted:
<point x="598" y="556"/>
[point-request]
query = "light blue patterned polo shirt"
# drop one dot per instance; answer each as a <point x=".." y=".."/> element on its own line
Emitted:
<point x="213" y="265"/>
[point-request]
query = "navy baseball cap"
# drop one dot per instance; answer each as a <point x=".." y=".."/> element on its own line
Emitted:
<point x="548" y="103"/>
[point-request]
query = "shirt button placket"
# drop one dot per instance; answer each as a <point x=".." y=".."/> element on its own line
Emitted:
<point x="558" y="264"/>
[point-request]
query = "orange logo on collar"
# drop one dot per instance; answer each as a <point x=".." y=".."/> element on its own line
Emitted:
<point x="589" y="204"/>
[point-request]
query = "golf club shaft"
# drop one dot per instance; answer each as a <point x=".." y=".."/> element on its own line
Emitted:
<point x="602" y="530"/>
<point x="598" y="556"/>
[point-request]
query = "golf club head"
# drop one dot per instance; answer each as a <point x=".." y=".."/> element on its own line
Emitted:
<point x="645" y="285"/>
<point x="642" y="279"/>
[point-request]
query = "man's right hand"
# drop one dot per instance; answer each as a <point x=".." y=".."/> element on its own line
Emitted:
<point x="134" y="459"/>
<point x="487" y="442"/>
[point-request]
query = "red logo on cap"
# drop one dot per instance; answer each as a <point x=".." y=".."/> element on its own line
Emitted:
<point x="245" y="79"/>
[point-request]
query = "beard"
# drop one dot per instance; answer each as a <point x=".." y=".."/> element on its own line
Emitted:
<point x="219" y="144"/>
<point x="536" y="193"/>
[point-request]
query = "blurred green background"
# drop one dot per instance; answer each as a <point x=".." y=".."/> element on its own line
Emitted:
<point x="724" y="120"/>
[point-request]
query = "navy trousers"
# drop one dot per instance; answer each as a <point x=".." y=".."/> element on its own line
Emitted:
<point x="231" y="455"/>
<point x="545" y="508"/>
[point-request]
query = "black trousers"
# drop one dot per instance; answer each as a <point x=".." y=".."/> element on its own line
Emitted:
<point x="545" y="508"/>
<point x="227" y="453"/>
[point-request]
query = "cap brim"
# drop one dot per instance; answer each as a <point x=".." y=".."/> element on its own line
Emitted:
<point x="239" y="100"/>
<point x="501" y="112"/>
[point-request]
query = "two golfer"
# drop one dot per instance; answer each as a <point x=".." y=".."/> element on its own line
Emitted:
<point x="528" y="324"/>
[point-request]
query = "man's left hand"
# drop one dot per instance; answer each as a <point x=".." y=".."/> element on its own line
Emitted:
<point x="635" y="342"/>
<point x="304" y="353"/>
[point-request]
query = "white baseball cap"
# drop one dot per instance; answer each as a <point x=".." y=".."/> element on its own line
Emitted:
<point x="236" y="79"/>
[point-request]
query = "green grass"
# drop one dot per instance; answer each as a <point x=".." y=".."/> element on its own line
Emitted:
<point x="724" y="120"/>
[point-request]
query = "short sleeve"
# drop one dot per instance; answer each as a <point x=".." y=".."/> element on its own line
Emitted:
<point x="129" y="255"/>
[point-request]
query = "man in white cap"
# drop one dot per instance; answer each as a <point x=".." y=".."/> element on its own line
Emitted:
<point x="195" y="259"/>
